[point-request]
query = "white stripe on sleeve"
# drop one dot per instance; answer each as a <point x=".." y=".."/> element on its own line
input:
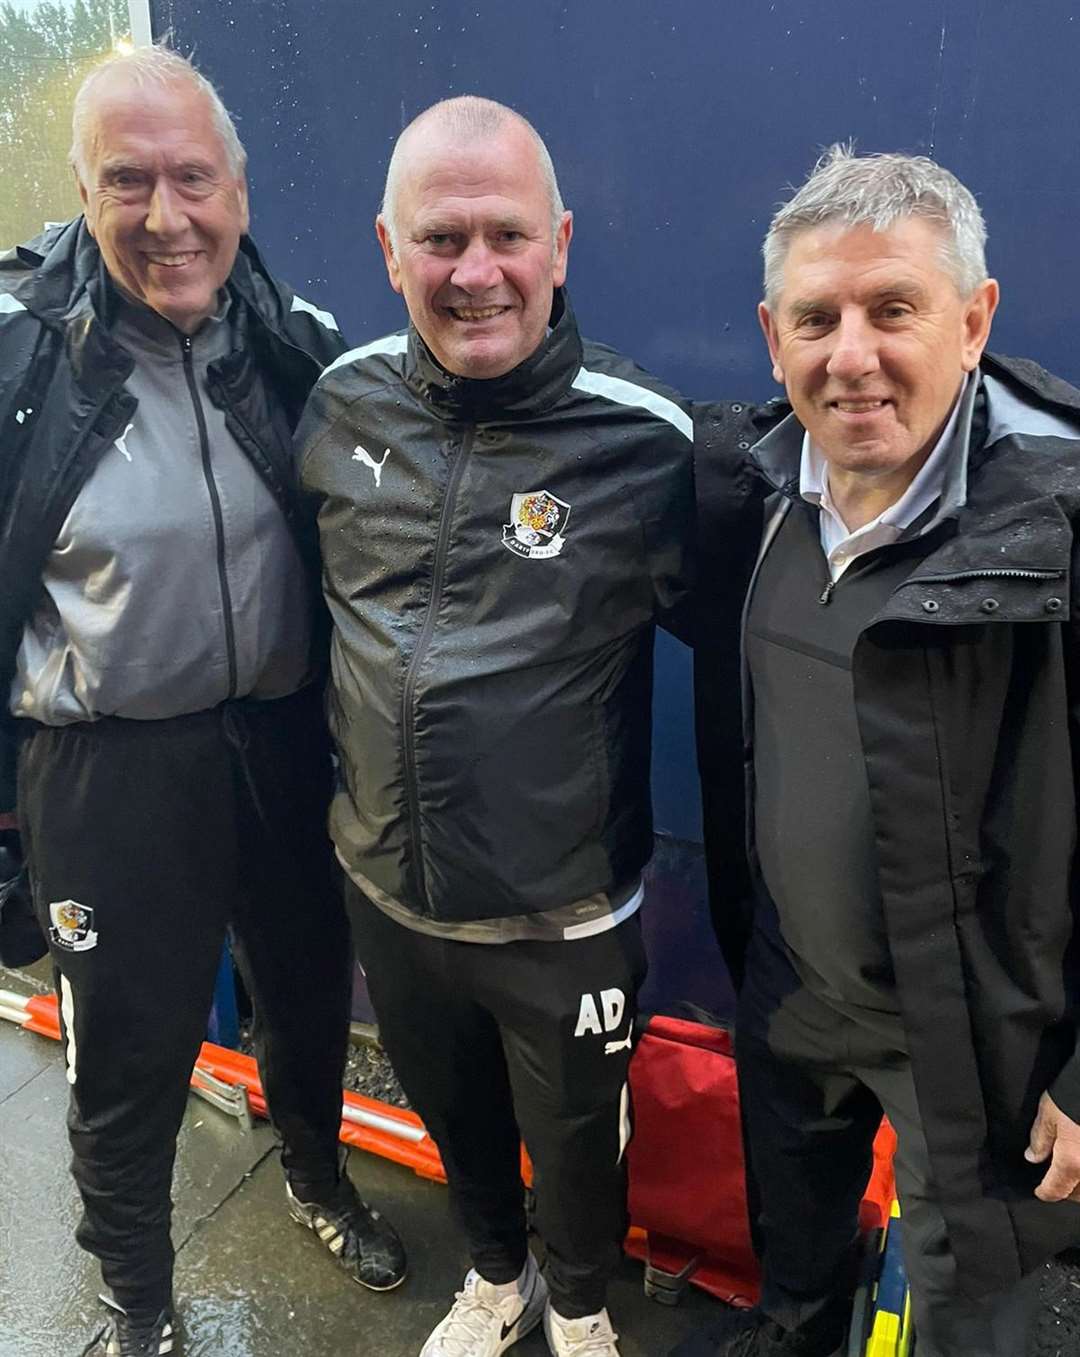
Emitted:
<point x="388" y="344"/>
<point x="325" y="318"/>
<point x="622" y="392"/>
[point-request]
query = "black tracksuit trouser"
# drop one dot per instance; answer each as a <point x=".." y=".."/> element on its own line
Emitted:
<point x="495" y="1044"/>
<point x="165" y="833"/>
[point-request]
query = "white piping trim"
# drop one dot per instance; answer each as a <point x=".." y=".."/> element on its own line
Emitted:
<point x="607" y="921"/>
<point x="142" y="33"/>
<point x="10" y="303"/>
<point x="626" y="1129"/>
<point x="629" y="393"/>
<point x="324" y="318"/>
<point x="67" y="1010"/>
<point x="388" y="344"/>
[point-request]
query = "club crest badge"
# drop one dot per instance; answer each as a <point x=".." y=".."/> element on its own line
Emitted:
<point x="537" y="525"/>
<point x="72" y="926"/>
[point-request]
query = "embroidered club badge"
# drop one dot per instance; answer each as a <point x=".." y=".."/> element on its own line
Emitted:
<point x="537" y="525"/>
<point x="72" y="926"/>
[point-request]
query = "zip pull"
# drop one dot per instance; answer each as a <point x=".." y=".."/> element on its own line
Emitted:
<point x="827" y="593"/>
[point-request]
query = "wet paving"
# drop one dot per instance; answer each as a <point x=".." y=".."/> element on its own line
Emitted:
<point x="249" y="1282"/>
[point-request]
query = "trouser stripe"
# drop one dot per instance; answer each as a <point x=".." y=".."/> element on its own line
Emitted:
<point x="67" y="1009"/>
<point x="625" y="1128"/>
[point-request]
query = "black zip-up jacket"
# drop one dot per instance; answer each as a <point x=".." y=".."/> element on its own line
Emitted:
<point x="495" y="554"/>
<point x="63" y="402"/>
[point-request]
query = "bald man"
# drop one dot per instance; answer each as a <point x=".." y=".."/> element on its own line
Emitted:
<point x="159" y="640"/>
<point x="503" y="512"/>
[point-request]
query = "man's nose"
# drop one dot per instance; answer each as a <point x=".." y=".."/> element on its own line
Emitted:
<point x="855" y="348"/>
<point x="166" y="215"/>
<point x="477" y="268"/>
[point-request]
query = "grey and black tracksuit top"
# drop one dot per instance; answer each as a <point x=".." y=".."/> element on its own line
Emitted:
<point x="68" y="408"/>
<point x="495" y="555"/>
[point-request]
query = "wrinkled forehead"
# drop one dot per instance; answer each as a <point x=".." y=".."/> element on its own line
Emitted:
<point x="126" y="120"/>
<point x="438" y="167"/>
<point x="907" y="254"/>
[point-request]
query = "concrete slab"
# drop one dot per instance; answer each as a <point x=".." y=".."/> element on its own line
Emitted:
<point x="48" y="1285"/>
<point x="251" y="1283"/>
<point x="25" y="1057"/>
<point x="256" y="1285"/>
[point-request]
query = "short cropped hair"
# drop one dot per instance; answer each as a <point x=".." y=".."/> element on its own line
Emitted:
<point x="468" y="117"/>
<point x="156" y="65"/>
<point x="879" y="190"/>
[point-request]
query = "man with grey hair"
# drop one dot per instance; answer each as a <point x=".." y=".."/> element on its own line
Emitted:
<point x="164" y="764"/>
<point x="910" y="668"/>
<point x="504" y="512"/>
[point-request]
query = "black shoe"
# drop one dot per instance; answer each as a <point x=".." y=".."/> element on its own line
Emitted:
<point x="364" y="1243"/>
<point x="127" y="1338"/>
<point x="749" y="1333"/>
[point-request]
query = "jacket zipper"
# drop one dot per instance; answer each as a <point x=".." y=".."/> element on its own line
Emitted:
<point x="989" y="574"/>
<point x="215" y="505"/>
<point x="408" y="725"/>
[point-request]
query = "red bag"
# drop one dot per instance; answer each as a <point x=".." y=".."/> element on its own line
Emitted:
<point x="687" y="1174"/>
<point x="687" y="1171"/>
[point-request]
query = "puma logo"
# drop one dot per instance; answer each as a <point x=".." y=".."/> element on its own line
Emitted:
<point x="362" y="455"/>
<point x="121" y="443"/>
<point x="610" y="1047"/>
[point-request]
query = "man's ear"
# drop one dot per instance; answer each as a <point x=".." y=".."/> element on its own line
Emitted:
<point x="85" y="199"/>
<point x="242" y="195"/>
<point x="772" y="339"/>
<point x="978" y="317"/>
<point x="392" y="269"/>
<point x="562" y="248"/>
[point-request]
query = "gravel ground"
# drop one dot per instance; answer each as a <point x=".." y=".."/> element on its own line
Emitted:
<point x="368" y="1071"/>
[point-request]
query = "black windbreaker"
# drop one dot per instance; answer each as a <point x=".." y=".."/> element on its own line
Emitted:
<point x="496" y="553"/>
<point x="63" y="402"/>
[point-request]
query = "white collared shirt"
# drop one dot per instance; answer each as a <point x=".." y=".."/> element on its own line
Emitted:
<point x="840" y="546"/>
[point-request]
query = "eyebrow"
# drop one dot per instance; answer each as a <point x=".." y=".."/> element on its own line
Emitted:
<point x="444" y="226"/>
<point x="124" y="165"/>
<point x="902" y="290"/>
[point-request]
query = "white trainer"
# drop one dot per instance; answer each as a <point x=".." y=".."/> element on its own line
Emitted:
<point x="591" y="1336"/>
<point x="486" y="1319"/>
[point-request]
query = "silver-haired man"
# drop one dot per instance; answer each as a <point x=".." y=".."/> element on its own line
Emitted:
<point x="160" y="649"/>
<point x="912" y="657"/>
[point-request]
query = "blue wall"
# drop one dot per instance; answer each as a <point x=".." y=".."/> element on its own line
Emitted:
<point x="675" y="128"/>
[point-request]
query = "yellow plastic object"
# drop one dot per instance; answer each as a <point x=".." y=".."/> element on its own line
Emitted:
<point x="890" y="1328"/>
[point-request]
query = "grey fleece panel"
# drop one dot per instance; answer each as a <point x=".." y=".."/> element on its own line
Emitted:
<point x="131" y="619"/>
<point x="1010" y="414"/>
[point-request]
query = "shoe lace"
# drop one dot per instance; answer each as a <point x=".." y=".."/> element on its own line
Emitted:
<point x="599" y="1342"/>
<point x="468" y="1323"/>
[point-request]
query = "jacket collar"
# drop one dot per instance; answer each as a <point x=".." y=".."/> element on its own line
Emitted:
<point x="62" y="268"/>
<point x="66" y="285"/>
<point x="999" y="513"/>
<point x="532" y="387"/>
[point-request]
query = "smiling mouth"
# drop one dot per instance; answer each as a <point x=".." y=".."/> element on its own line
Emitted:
<point x="474" y="314"/>
<point x="859" y="407"/>
<point x="173" y="261"/>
